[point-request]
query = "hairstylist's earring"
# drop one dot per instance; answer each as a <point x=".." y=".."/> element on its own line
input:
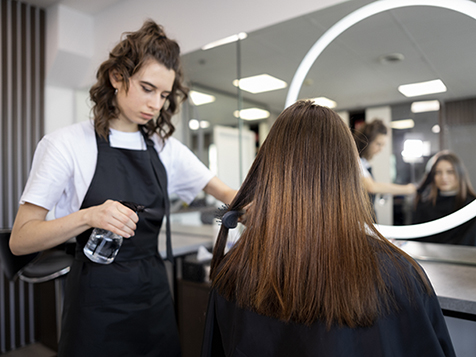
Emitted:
<point x="115" y="91"/>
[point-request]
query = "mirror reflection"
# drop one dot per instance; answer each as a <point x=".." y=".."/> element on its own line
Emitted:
<point x="361" y="73"/>
<point x="445" y="188"/>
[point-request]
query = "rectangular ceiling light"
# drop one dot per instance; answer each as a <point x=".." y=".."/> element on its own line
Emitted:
<point x="260" y="83"/>
<point x="425" y="106"/>
<point x="324" y="102"/>
<point x="199" y="98"/>
<point x="251" y="114"/>
<point x="402" y="124"/>
<point x="422" y="88"/>
<point x="224" y="41"/>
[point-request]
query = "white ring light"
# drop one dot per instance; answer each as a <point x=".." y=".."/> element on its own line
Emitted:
<point x="465" y="7"/>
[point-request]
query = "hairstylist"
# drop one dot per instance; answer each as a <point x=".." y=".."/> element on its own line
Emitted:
<point x="370" y="140"/>
<point x="127" y="153"/>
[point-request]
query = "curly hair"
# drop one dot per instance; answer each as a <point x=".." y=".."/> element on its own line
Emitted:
<point x="365" y="135"/>
<point x="127" y="58"/>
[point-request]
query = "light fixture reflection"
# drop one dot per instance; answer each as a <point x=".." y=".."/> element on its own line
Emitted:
<point x="251" y="114"/>
<point x="260" y="83"/>
<point x="325" y="102"/>
<point x="422" y="88"/>
<point x="402" y="124"/>
<point x="199" y="98"/>
<point x="194" y="124"/>
<point x="412" y="148"/>
<point x="425" y="106"/>
<point x="224" y="41"/>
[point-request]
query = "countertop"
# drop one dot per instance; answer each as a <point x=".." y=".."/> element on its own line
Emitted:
<point x="187" y="239"/>
<point x="451" y="270"/>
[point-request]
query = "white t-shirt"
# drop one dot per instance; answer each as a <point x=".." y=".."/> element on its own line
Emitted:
<point x="65" y="161"/>
<point x="364" y="167"/>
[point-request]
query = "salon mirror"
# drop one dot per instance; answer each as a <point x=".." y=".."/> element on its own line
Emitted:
<point x="360" y="69"/>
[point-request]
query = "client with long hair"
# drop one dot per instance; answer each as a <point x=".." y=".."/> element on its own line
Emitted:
<point x="310" y="275"/>
<point x="445" y="189"/>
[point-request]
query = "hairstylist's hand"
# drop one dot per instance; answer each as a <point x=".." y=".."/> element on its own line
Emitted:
<point x="411" y="188"/>
<point x="243" y="217"/>
<point x="114" y="217"/>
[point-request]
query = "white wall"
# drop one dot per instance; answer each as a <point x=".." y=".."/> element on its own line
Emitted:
<point x="82" y="105"/>
<point x="345" y="117"/>
<point x="226" y="140"/>
<point x="60" y="111"/>
<point x="70" y="46"/>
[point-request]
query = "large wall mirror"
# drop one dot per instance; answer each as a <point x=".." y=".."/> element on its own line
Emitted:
<point x="360" y="70"/>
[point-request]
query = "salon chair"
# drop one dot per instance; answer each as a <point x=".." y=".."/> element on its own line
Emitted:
<point x="35" y="268"/>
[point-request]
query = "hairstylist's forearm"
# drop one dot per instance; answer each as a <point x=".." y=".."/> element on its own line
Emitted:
<point x="220" y="190"/>
<point x="388" y="188"/>
<point x="32" y="233"/>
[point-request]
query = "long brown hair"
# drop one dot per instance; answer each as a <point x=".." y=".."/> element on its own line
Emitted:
<point x="428" y="190"/>
<point x="368" y="133"/>
<point x="306" y="253"/>
<point x="127" y="58"/>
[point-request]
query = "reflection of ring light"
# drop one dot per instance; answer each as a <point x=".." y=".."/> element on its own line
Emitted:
<point x="426" y="229"/>
<point x="465" y="7"/>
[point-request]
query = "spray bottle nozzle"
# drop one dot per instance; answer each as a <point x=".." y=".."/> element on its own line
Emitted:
<point x="133" y="206"/>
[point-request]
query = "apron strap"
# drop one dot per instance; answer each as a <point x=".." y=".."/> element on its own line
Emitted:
<point x="157" y="166"/>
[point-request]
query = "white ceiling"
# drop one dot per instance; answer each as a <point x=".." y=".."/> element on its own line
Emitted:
<point x="87" y="6"/>
<point x="435" y="42"/>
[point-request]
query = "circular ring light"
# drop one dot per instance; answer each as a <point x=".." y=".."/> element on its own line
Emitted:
<point x="465" y="7"/>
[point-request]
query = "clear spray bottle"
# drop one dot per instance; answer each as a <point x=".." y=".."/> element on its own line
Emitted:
<point x="103" y="245"/>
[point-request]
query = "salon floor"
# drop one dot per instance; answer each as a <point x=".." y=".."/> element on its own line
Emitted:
<point x="34" y="350"/>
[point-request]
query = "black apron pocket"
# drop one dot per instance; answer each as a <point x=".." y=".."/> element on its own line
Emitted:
<point x="111" y="284"/>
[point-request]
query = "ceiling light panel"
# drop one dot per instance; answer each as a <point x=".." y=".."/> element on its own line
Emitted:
<point x="260" y="83"/>
<point x="402" y="124"/>
<point x="224" y="41"/>
<point x="422" y="88"/>
<point x="251" y="114"/>
<point x="199" y="98"/>
<point x="425" y="106"/>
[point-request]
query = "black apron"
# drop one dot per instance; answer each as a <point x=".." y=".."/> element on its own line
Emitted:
<point x="124" y="308"/>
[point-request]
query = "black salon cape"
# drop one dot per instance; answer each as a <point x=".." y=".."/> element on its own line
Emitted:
<point x="464" y="234"/>
<point x="416" y="330"/>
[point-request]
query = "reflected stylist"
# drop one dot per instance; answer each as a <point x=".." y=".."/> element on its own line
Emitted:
<point x="82" y="171"/>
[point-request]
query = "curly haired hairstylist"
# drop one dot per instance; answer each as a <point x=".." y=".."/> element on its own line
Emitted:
<point x="127" y="153"/>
